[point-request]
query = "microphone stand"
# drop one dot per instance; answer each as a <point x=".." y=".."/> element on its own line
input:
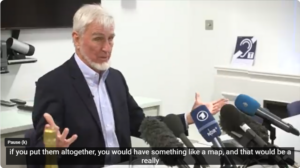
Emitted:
<point x="249" y="138"/>
<point x="197" y="165"/>
<point x="224" y="164"/>
<point x="226" y="161"/>
<point x="272" y="130"/>
<point x="182" y="164"/>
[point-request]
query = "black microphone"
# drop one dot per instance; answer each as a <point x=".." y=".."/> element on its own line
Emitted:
<point x="210" y="130"/>
<point x="232" y="129"/>
<point x="232" y="120"/>
<point x="233" y="117"/>
<point x="251" y="107"/>
<point x="229" y="125"/>
<point x="175" y="125"/>
<point x="158" y="135"/>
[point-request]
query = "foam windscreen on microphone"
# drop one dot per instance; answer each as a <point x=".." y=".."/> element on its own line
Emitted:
<point x="158" y="135"/>
<point x="246" y="104"/>
<point x="231" y="119"/>
<point x="174" y="124"/>
<point x="206" y="123"/>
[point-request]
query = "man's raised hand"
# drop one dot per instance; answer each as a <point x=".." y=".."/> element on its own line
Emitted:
<point x="61" y="140"/>
<point x="214" y="107"/>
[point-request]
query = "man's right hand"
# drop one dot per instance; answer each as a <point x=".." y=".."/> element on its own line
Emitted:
<point x="61" y="140"/>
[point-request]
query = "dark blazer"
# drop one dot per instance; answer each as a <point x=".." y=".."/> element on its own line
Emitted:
<point x="64" y="93"/>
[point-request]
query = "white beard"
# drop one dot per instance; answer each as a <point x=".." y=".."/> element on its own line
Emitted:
<point x="99" y="67"/>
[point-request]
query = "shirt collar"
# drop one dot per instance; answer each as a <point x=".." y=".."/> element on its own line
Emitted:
<point x="87" y="71"/>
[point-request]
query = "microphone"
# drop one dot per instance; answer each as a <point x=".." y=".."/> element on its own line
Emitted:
<point x="240" y="126"/>
<point x="209" y="129"/>
<point x="175" y="125"/>
<point x="251" y="107"/>
<point x="231" y="128"/>
<point x="20" y="47"/>
<point x="158" y="135"/>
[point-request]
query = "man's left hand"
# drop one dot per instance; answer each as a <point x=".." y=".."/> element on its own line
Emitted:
<point x="214" y="107"/>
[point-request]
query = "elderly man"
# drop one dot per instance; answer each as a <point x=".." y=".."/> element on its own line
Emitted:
<point x="87" y="101"/>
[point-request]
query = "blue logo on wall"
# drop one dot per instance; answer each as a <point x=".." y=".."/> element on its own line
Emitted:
<point x="245" y="48"/>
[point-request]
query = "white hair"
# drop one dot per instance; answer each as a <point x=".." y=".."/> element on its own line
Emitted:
<point x="89" y="13"/>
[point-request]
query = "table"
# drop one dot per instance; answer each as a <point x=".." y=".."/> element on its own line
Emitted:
<point x="15" y="120"/>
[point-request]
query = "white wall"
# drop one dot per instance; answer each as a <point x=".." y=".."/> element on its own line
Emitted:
<point x="152" y="50"/>
<point x="273" y="23"/>
<point x="164" y="51"/>
<point x="152" y="53"/>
